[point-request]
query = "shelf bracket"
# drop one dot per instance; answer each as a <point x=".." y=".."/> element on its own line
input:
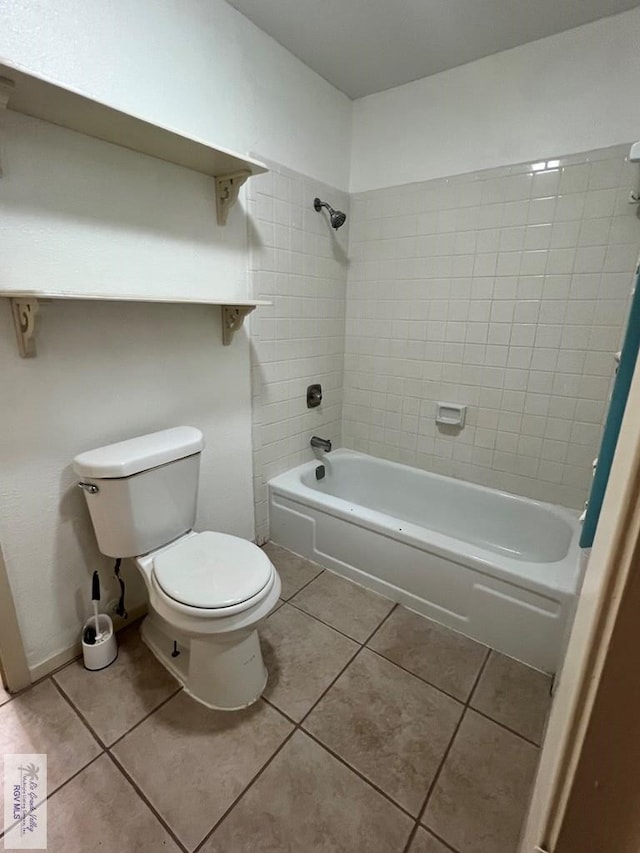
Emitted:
<point x="232" y="320"/>
<point x="227" y="189"/>
<point x="24" y="313"/>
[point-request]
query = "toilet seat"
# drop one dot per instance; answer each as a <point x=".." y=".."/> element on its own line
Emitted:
<point x="213" y="573"/>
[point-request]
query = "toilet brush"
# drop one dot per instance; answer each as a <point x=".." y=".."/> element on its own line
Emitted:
<point x="99" y="647"/>
<point x="95" y="599"/>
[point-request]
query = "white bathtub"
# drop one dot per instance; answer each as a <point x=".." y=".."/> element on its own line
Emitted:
<point x="497" y="567"/>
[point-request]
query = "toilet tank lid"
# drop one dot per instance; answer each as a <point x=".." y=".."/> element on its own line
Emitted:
<point x="139" y="454"/>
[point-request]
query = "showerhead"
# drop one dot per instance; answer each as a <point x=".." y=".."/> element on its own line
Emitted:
<point x="336" y="217"/>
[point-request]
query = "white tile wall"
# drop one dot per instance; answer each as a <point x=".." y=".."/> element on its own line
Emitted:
<point x="506" y="290"/>
<point x="300" y="263"/>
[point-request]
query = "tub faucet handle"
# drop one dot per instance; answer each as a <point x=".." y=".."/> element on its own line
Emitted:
<point x="321" y="443"/>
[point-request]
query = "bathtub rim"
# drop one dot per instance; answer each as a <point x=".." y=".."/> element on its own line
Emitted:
<point x="553" y="579"/>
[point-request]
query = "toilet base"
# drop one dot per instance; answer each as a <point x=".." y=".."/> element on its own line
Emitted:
<point x="225" y="672"/>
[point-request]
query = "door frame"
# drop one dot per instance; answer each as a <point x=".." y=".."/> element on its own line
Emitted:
<point x="610" y="565"/>
<point x="14" y="669"/>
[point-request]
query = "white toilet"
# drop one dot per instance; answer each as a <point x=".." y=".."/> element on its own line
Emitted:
<point x="208" y="592"/>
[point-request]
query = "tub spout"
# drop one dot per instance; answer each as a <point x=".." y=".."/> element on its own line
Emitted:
<point x="321" y="443"/>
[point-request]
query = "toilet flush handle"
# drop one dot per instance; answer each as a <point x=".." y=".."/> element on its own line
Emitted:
<point x="89" y="487"/>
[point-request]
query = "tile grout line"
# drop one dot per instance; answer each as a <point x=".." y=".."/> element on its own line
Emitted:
<point x="438" y="772"/>
<point x="417" y="827"/>
<point x="348" y="664"/>
<point x="77" y="713"/>
<point x="280" y="711"/>
<point x="146" y="717"/>
<point x="304" y="586"/>
<point x="247" y="787"/>
<point x="357" y="772"/>
<point x="102" y="743"/>
<point x="297" y="726"/>
<point x="106" y="750"/>
<point x="342" y="670"/>
<point x="503" y="726"/>
<point x="395" y="606"/>
<point x="437" y="837"/>
<point x="420" y="677"/>
<point x="466" y="705"/>
<point x="119" y="767"/>
<point x="333" y="627"/>
<point x="457" y="698"/>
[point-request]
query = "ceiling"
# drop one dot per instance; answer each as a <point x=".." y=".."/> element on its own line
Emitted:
<point x="365" y="46"/>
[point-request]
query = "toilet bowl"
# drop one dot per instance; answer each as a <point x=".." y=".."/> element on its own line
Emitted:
<point x="208" y="591"/>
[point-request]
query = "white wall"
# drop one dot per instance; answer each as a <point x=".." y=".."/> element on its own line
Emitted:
<point x="105" y="372"/>
<point x="196" y="65"/>
<point x="76" y="213"/>
<point x="563" y="94"/>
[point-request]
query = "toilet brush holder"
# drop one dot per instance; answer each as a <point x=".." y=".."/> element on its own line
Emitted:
<point x="104" y="650"/>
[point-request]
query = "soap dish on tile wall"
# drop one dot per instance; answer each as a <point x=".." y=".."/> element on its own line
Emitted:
<point x="451" y="414"/>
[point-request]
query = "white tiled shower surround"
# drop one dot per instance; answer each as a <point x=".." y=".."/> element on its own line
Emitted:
<point x="505" y="290"/>
<point x="298" y="262"/>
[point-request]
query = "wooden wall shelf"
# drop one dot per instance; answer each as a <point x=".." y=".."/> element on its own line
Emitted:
<point x="46" y="99"/>
<point x="25" y="305"/>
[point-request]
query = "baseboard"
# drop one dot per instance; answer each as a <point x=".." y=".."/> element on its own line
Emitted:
<point x="60" y="659"/>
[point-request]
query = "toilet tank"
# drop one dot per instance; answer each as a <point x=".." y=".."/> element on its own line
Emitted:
<point x="145" y="489"/>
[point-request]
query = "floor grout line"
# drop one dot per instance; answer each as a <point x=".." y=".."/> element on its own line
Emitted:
<point x="440" y="768"/>
<point x="77" y="713"/>
<point x="436" y="776"/>
<point x="357" y="772"/>
<point x="503" y="726"/>
<point x="330" y="685"/>
<point x="412" y="835"/>
<point x="135" y="725"/>
<point x="438" y="838"/>
<point x="280" y="711"/>
<point x="346" y="666"/>
<point x="297" y="726"/>
<point x="333" y="627"/>
<point x="246" y="789"/>
<point x="419" y="677"/>
<point x="146" y="717"/>
<point x="304" y="586"/>
<point x="121" y="769"/>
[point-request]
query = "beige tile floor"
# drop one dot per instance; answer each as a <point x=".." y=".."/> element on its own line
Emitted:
<point x="379" y="732"/>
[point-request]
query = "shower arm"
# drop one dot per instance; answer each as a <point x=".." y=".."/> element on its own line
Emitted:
<point x="318" y="205"/>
